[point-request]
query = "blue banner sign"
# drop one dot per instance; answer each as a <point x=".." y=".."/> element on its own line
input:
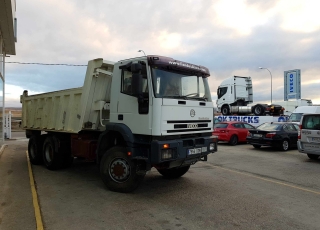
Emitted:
<point x="254" y="120"/>
<point x="292" y="84"/>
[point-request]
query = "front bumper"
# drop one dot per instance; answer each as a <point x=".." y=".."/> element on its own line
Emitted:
<point x="182" y="151"/>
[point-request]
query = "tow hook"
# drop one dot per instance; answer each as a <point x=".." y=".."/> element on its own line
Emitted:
<point x="141" y="172"/>
<point x="204" y="158"/>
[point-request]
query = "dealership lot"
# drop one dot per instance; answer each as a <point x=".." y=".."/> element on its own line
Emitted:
<point x="238" y="187"/>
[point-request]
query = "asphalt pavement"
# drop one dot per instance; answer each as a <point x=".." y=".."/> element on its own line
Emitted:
<point x="239" y="187"/>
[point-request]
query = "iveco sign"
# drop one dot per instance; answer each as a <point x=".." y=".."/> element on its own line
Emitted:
<point x="292" y="84"/>
<point x="192" y="126"/>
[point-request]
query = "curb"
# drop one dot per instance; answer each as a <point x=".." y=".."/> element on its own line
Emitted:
<point x="2" y="149"/>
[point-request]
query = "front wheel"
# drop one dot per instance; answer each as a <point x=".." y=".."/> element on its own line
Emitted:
<point x="173" y="172"/>
<point x="313" y="156"/>
<point x="225" y="110"/>
<point x="118" y="171"/>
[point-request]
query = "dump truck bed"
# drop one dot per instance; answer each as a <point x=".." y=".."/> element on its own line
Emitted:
<point x="72" y="110"/>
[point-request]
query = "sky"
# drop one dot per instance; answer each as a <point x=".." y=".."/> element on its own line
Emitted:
<point x="229" y="37"/>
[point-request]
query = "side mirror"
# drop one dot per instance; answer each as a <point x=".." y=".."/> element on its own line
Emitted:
<point x="136" y="80"/>
<point x="136" y="84"/>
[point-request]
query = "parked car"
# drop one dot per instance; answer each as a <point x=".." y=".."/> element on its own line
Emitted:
<point x="283" y="135"/>
<point x="232" y="131"/>
<point x="309" y="136"/>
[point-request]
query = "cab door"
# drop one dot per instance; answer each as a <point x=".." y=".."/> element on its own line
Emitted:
<point x="137" y="116"/>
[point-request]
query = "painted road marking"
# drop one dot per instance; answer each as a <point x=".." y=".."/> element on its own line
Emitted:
<point x="37" y="211"/>
<point x="265" y="179"/>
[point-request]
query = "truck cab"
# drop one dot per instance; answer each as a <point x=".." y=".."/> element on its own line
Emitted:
<point x="158" y="93"/>
<point x="234" y="91"/>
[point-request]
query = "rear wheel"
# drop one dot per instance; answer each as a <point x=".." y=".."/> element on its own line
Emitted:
<point x="174" y="172"/>
<point x="285" y="145"/>
<point x="118" y="171"/>
<point x="313" y="156"/>
<point x="51" y="157"/>
<point x="258" y="110"/>
<point x="233" y="140"/>
<point x="257" y="146"/>
<point x="35" y="149"/>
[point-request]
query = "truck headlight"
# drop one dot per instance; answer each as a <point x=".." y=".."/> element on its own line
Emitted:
<point x="166" y="154"/>
<point x="212" y="146"/>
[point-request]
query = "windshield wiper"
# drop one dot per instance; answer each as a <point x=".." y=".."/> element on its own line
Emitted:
<point x="201" y="98"/>
<point x="186" y="98"/>
<point x="174" y="97"/>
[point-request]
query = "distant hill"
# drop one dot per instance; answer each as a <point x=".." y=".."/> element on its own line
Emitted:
<point x="15" y="111"/>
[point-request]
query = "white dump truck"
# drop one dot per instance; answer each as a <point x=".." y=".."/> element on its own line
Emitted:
<point x="129" y="116"/>
<point x="235" y="94"/>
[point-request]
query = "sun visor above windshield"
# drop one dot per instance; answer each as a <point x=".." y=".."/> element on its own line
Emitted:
<point x="171" y="64"/>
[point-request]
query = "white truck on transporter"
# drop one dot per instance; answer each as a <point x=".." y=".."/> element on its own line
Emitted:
<point x="129" y="116"/>
<point x="235" y="94"/>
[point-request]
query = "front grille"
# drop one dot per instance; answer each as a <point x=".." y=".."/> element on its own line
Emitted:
<point x="183" y="126"/>
<point x="186" y="130"/>
<point x="189" y="121"/>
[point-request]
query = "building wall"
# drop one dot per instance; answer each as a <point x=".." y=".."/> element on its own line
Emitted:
<point x="2" y="63"/>
<point x="7" y="47"/>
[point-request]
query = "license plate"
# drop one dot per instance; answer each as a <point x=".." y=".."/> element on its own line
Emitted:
<point x="257" y="135"/>
<point x="311" y="146"/>
<point x="194" y="151"/>
<point x="315" y="139"/>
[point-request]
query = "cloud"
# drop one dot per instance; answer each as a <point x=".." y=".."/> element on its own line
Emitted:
<point x="278" y="35"/>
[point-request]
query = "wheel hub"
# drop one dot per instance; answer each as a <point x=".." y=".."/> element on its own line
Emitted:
<point x="49" y="153"/>
<point x="119" y="170"/>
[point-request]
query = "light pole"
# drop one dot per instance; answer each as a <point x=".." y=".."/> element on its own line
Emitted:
<point x="271" y="80"/>
<point x="142" y="51"/>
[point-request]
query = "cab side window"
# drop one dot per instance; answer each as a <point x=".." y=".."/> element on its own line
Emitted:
<point x="222" y="91"/>
<point x="126" y="81"/>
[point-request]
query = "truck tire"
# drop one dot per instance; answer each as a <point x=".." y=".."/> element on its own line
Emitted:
<point x="118" y="171"/>
<point x="313" y="156"/>
<point x="233" y="140"/>
<point x="51" y="157"/>
<point x="258" y="110"/>
<point x="35" y="149"/>
<point x="257" y="146"/>
<point x="174" y="173"/>
<point x="225" y="110"/>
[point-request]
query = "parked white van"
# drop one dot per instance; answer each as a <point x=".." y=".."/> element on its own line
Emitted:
<point x="297" y="113"/>
<point x="309" y="135"/>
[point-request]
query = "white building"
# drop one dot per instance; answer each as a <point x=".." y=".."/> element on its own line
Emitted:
<point x="8" y="37"/>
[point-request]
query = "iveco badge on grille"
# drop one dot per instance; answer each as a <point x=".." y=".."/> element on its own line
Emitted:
<point x="192" y="126"/>
<point x="192" y="113"/>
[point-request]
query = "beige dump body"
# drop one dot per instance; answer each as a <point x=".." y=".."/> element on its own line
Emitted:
<point x="72" y="110"/>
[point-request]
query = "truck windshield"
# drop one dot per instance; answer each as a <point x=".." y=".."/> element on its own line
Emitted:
<point x="295" y="117"/>
<point x="168" y="84"/>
